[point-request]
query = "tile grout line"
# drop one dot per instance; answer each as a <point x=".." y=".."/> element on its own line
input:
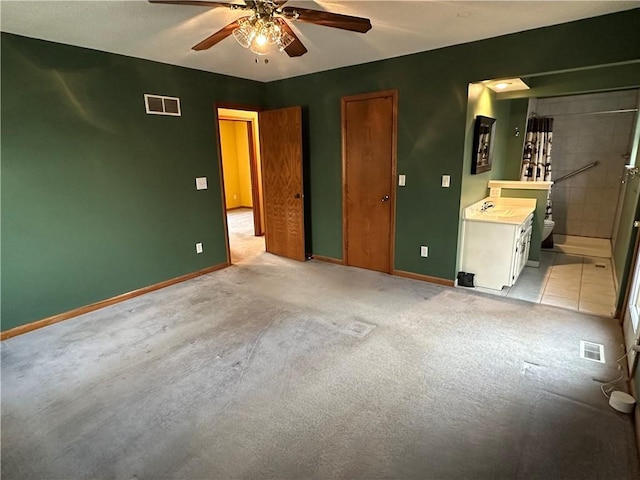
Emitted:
<point x="543" y="283"/>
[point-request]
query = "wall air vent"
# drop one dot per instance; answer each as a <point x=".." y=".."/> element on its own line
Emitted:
<point x="161" y="105"/>
<point x="592" y="351"/>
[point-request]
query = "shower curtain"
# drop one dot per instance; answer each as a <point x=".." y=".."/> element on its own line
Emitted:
<point x="536" y="157"/>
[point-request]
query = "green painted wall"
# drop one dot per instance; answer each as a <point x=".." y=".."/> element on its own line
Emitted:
<point x="517" y="119"/>
<point x="432" y="111"/>
<point x="622" y="251"/>
<point x="623" y="246"/>
<point x="482" y="101"/>
<point x="637" y="384"/>
<point x="98" y="198"/>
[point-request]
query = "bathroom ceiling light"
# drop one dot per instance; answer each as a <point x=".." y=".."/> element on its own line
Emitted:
<point x="506" y="85"/>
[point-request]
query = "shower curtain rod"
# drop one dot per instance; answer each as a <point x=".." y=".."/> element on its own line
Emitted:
<point x="604" y="112"/>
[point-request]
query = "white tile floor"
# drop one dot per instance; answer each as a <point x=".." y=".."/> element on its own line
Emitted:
<point x="575" y="282"/>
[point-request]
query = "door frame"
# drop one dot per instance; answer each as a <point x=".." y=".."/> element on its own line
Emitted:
<point x="252" y="166"/>
<point x="392" y="181"/>
<point x="258" y="228"/>
<point x="630" y="336"/>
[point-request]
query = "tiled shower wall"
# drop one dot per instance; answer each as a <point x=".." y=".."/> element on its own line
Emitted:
<point x="585" y="205"/>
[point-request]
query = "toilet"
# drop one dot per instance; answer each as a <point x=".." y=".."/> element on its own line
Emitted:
<point x="547" y="228"/>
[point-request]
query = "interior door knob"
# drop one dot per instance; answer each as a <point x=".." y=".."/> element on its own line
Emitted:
<point x="385" y="198"/>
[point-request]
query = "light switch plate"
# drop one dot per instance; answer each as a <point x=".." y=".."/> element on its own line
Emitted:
<point x="424" y="251"/>
<point x="446" y="181"/>
<point x="199" y="247"/>
<point x="402" y="180"/>
<point x="201" y="183"/>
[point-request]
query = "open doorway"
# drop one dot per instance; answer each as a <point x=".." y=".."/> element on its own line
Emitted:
<point x="242" y="182"/>
<point x="594" y="200"/>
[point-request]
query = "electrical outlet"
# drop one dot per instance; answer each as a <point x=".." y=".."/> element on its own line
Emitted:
<point x="235" y="197"/>
<point x="199" y="247"/>
<point x="424" y="251"/>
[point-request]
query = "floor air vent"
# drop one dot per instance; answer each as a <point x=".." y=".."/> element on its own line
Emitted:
<point x="592" y="351"/>
<point x="359" y="329"/>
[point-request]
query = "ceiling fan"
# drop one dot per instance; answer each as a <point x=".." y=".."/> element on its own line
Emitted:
<point x="266" y="24"/>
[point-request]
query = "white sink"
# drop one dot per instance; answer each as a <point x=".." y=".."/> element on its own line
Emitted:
<point x="497" y="212"/>
<point x="504" y="210"/>
<point x="496" y="238"/>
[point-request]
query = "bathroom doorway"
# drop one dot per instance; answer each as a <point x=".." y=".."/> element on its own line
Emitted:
<point x="593" y="137"/>
<point x="594" y="206"/>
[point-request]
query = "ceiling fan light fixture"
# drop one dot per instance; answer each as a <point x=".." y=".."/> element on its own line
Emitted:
<point x="284" y="41"/>
<point x="267" y="20"/>
<point x="261" y="40"/>
<point x="258" y="33"/>
<point x="259" y="49"/>
<point x="245" y="32"/>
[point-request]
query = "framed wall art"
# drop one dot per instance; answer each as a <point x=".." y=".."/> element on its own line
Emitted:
<point x="483" y="140"/>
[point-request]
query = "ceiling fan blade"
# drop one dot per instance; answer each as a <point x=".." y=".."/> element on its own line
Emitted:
<point x="328" y="19"/>
<point x="295" y="48"/>
<point x="200" y="4"/>
<point x="220" y="35"/>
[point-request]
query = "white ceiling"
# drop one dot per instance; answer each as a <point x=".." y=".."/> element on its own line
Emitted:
<point x="166" y="33"/>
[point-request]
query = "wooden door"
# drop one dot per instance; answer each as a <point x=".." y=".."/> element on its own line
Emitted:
<point x="281" y="154"/>
<point x="368" y="146"/>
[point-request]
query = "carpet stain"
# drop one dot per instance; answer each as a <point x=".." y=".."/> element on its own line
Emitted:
<point x="359" y="329"/>
<point x="531" y="370"/>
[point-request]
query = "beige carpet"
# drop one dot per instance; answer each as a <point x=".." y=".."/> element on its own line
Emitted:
<point x="274" y="368"/>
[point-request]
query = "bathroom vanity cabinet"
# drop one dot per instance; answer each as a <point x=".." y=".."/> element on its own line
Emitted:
<point x="496" y="242"/>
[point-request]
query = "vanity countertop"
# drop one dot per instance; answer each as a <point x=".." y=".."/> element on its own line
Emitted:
<point x="507" y="210"/>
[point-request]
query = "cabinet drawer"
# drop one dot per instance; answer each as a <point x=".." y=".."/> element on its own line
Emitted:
<point x="527" y="224"/>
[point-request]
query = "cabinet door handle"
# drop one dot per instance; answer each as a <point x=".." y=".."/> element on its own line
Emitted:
<point x="385" y="198"/>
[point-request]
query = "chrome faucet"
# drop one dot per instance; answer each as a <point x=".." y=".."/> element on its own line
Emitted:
<point x="486" y="206"/>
